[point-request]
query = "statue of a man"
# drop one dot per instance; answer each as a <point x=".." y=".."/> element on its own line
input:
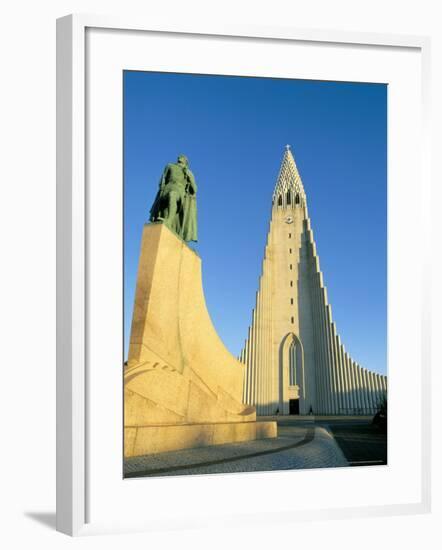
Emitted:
<point x="175" y="203"/>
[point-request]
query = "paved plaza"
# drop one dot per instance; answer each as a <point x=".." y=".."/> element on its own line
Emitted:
<point x="362" y="443"/>
<point x="302" y="443"/>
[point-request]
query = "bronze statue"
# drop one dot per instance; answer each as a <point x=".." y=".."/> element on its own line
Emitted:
<point x="175" y="203"/>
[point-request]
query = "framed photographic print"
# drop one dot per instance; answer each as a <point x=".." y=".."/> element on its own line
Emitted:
<point x="218" y="190"/>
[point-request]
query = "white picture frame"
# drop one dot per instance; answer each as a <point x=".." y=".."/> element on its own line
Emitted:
<point x="79" y="496"/>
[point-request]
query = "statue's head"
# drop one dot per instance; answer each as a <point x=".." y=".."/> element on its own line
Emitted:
<point x="182" y="159"/>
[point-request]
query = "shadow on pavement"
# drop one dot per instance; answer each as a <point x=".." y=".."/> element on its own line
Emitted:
<point x="48" y="519"/>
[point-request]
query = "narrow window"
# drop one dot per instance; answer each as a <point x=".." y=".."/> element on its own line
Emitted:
<point x="290" y="250"/>
<point x="291" y="301"/>
<point x="290" y="235"/>
<point x="291" y="283"/>
<point x="289" y="197"/>
<point x="291" y="267"/>
<point x="280" y="200"/>
<point x="293" y="320"/>
<point x="297" y="199"/>
<point x="293" y="364"/>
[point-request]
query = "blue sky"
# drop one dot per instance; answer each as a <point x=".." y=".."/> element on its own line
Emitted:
<point x="234" y="130"/>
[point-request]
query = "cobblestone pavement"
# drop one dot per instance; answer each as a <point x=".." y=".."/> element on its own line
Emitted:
<point x="299" y="445"/>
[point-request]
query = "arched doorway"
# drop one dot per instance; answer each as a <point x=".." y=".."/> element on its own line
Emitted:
<point x="291" y="375"/>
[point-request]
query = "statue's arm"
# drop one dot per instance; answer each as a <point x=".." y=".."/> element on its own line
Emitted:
<point x="163" y="179"/>
<point x="191" y="183"/>
<point x="157" y="202"/>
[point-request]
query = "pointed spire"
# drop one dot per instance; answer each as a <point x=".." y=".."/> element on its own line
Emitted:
<point x="289" y="178"/>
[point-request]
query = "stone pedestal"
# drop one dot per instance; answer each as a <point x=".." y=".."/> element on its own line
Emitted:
<point x="182" y="388"/>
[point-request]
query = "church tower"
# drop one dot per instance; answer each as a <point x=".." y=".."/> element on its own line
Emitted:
<point x="295" y="360"/>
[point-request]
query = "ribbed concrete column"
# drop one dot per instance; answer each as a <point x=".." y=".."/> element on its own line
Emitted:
<point x="373" y="390"/>
<point x="367" y="390"/>
<point x="350" y="383"/>
<point x="258" y="354"/>
<point x="243" y="360"/>
<point x="361" y="388"/>
<point x="370" y="391"/>
<point x="381" y="388"/>
<point x="338" y="386"/>
<point x="266" y="325"/>
<point x="323" y="391"/>
<point x="377" y="390"/>
<point x="346" y="381"/>
<point x="335" y="370"/>
<point x="314" y="308"/>
<point x="254" y="359"/>
<point x="356" y="386"/>
<point x="259" y="373"/>
<point x="264" y="382"/>
<point x="263" y="348"/>
<point x="367" y="393"/>
<point x="341" y="374"/>
<point x="251" y="364"/>
<point x="265" y="343"/>
<point x="363" y="393"/>
<point x="247" y="373"/>
<point x="369" y="396"/>
<point x="328" y="385"/>
<point x="332" y="370"/>
<point x="269" y="337"/>
<point x="320" y="390"/>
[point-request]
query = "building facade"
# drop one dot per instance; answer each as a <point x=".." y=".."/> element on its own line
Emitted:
<point x="295" y="360"/>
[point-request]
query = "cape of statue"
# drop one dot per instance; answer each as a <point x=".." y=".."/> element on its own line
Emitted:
<point x="175" y="203"/>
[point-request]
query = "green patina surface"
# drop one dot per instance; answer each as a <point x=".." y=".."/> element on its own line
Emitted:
<point x="175" y="202"/>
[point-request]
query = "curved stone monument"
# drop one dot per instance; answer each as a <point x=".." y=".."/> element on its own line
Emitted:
<point x="182" y="387"/>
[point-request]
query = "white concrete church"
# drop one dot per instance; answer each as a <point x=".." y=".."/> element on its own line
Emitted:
<point x="295" y="360"/>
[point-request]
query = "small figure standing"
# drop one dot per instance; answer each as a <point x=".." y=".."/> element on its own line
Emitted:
<point x="175" y="203"/>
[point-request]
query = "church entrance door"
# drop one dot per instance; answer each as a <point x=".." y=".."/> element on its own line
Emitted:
<point x="293" y="406"/>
